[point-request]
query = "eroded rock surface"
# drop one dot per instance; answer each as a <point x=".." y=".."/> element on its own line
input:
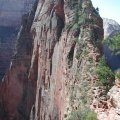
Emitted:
<point x="16" y="91"/>
<point x="11" y="12"/>
<point x="57" y="78"/>
<point x="64" y="55"/>
<point x="107" y="106"/>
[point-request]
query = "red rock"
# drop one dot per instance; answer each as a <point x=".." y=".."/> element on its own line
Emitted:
<point x="41" y="83"/>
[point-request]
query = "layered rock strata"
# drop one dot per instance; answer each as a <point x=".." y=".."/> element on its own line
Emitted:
<point x="11" y="12"/>
<point x="107" y="106"/>
<point x="56" y="79"/>
<point x="16" y="90"/>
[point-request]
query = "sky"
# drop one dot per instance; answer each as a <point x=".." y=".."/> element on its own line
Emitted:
<point x="108" y="8"/>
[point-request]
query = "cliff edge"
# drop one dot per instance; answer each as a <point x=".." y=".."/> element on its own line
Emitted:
<point x="54" y="69"/>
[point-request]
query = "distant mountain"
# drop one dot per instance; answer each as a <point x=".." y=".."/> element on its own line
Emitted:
<point x="111" y="27"/>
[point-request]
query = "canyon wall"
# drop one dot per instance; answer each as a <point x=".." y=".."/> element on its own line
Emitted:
<point x="7" y="45"/>
<point x="66" y="46"/>
<point x="15" y="104"/>
<point x="54" y="68"/>
<point x="11" y="12"/>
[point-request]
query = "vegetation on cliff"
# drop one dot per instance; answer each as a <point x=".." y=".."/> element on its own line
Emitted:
<point x="114" y="43"/>
<point x="87" y="54"/>
<point x="87" y="41"/>
<point x="80" y="15"/>
<point x="56" y="80"/>
<point x="117" y="74"/>
<point x="83" y="114"/>
<point x="106" y="76"/>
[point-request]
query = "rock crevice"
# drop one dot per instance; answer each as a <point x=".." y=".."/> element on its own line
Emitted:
<point x="55" y="63"/>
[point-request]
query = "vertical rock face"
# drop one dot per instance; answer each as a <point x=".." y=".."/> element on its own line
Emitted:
<point x="7" y="45"/>
<point x="67" y="54"/>
<point x="57" y="77"/>
<point x="11" y="12"/>
<point x="15" y="103"/>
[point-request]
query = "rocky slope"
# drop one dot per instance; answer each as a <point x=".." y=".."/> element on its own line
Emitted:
<point x="11" y="12"/>
<point x="107" y="106"/>
<point x="54" y="68"/>
<point x="110" y="27"/>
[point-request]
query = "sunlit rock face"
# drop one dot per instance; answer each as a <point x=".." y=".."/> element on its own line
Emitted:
<point x="55" y="63"/>
<point x="110" y="27"/>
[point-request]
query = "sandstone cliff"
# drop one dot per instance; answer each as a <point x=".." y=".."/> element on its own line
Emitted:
<point x="11" y="12"/>
<point x="14" y="102"/>
<point x="7" y="45"/>
<point x="54" y="68"/>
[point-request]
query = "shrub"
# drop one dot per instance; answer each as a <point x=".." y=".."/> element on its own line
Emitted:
<point x="91" y="116"/>
<point x="80" y="17"/>
<point x="83" y="114"/>
<point x="117" y="74"/>
<point x="114" y="43"/>
<point x="75" y="26"/>
<point x="105" y="74"/>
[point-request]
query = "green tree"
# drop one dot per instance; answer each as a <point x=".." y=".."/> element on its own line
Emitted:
<point x="105" y="74"/>
<point x="114" y="43"/>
